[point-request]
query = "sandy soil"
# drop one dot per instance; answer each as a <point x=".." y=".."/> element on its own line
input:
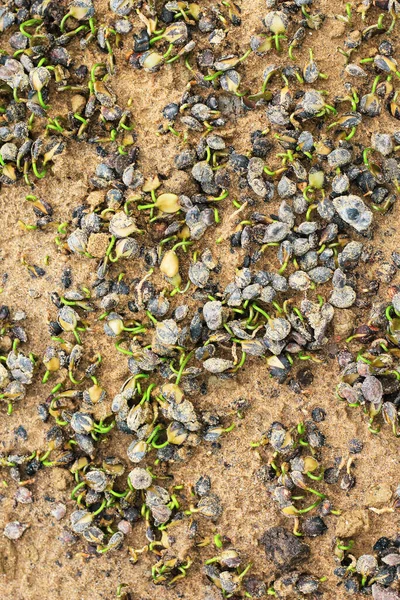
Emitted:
<point x="39" y="565"/>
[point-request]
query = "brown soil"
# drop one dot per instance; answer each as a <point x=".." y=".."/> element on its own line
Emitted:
<point x="39" y="565"/>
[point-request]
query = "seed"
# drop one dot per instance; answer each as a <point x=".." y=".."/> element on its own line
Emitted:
<point x="82" y="422"/>
<point x="168" y="203"/>
<point x="122" y="8"/>
<point x="80" y="520"/>
<point x="140" y="479"/>
<point x="122" y="226"/>
<point x="353" y="211"/>
<point x="14" y="530"/>
<point x="276" y="21"/>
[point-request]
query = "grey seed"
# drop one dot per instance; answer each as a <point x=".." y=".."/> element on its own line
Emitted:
<point x="9" y="152"/>
<point x="392" y="560"/>
<point x="325" y="209"/>
<point x="311" y="103"/>
<point x="379" y="194"/>
<point x="199" y="274"/>
<point x="202" y="172"/>
<point x="372" y="389"/>
<point x="340" y="184"/>
<point x="310" y="72"/>
<point x="59" y="511"/>
<point x="85" y="443"/>
<point x="215" y="142"/>
<point x="235" y="298"/>
<point x="339" y="279"/>
<point x="277" y="115"/>
<point x="262" y="277"/>
<point x="286" y="188"/>
<point x="299" y="281"/>
<point x="122" y="26"/>
<point x="396" y="302"/>
<point x="6" y="133"/>
<point x="202" y="485"/>
<point x="208" y="260"/>
<point x="105" y="172"/>
<point x="77" y="241"/>
<point x="276" y="15"/>
<point x="320" y="274"/>
<point x="300" y="246"/>
<point x="258" y="185"/>
<point x="343" y="298"/>
<point x="210" y="187"/>
<point x="243" y="277"/>
<point x="115" y="540"/>
<point x="158" y="306"/>
<point x="366" y="564"/>
<point x="132" y="178"/>
<point x="355" y="70"/>
<point x="382" y="143"/>
<point x="121" y="225"/>
<point x="210" y="505"/>
<point x="97" y="480"/>
<point x="81" y="422"/>
<point x="308" y="261"/>
<point x="23" y="495"/>
<point x="353" y="211"/>
<point x="300" y="205"/>
<point x="279" y="282"/>
<point x="195" y="220"/>
<point x="251" y="291"/>
<point x="80" y="520"/>
<point x="225" y="63"/>
<point x="192" y="123"/>
<point x="277" y="329"/>
<point x="140" y="479"/>
<point x="167" y="332"/>
<point x="255" y="167"/>
<point x="217" y="365"/>
<point x="285" y="213"/>
<point x="350" y="256"/>
<point x="136" y="451"/>
<point x="184" y="413"/>
<point x="213" y="314"/>
<point x="339" y="158"/>
<point x="307" y="227"/>
<point x="14" y="530"/>
<point x="307" y="584"/>
<point x="306" y="141"/>
<point x="276" y="232"/>
<point x="161" y="514"/>
<point x="267" y="294"/>
<point x="185" y="159"/>
<point x="104" y="94"/>
<point x="274" y="346"/>
<point x="93" y="534"/>
<point x="157" y="496"/>
<point x="122" y="8"/>
<point x="326" y="258"/>
<point x="230" y="81"/>
<point x="91" y="223"/>
<point x="201" y="112"/>
<point x="370" y="105"/>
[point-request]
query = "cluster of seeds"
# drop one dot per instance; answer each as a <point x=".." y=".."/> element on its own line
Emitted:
<point x="375" y="574"/>
<point x="371" y="379"/>
<point x="16" y="368"/>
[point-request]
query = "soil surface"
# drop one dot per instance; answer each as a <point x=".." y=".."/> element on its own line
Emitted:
<point x="40" y="565"/>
